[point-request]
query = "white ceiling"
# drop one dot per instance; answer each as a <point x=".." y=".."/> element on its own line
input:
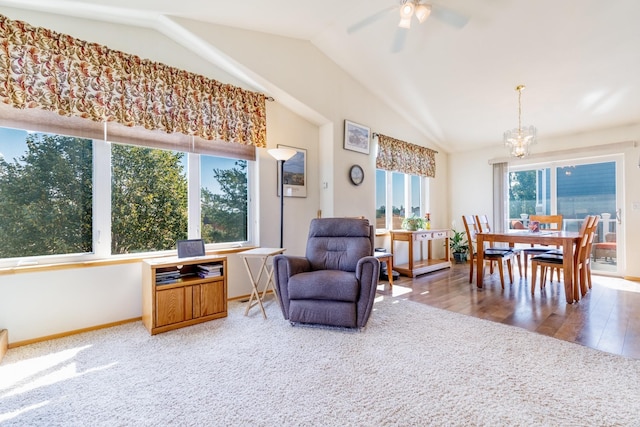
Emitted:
<point x="580" y="59"/>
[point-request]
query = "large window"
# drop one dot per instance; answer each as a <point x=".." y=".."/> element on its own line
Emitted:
<point x="69" y="197"/>
<point x="398" y="196"/>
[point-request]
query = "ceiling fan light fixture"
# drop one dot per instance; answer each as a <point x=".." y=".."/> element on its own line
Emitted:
<point x="405" y="23"/>
<point x="406" y="10"/>
<point x="519" y="140"/>
<point x="422" y="12"/>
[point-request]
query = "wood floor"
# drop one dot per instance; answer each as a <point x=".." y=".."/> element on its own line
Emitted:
<point x="607" y="318"/>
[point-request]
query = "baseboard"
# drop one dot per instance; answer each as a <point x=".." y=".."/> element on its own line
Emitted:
<point x="4" y="343"/>
<point x="74" y="332"/>
<point x="632" y="279"/>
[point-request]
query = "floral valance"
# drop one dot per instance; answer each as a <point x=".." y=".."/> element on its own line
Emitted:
<point x="400" y="156"/>
<point x="42" y="69"/>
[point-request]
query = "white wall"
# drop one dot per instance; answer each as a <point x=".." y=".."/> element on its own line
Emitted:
<point x="313" y="98"/>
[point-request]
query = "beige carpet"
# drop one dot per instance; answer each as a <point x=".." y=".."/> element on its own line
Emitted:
<point x="412" y="366"/>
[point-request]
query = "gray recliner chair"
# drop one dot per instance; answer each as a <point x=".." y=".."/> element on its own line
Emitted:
<point x="335" y="283"/>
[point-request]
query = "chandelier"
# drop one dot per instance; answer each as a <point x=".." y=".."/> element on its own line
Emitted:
<point x="408" y="8"/>
<point x="518" y="140"/>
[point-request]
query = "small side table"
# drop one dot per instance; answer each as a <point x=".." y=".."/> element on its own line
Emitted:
<point x="263" y="255"/>
<point x="387" y="258"/>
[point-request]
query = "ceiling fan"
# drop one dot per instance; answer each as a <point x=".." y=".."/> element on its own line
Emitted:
<point x="408" y="9"/>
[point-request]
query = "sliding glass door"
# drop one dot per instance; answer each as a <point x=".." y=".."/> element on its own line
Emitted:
<point x="574" y="189"/>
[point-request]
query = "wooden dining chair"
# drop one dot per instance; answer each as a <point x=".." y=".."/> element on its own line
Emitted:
<point x="491" y="256"/>
<point x="547" y="222"/>
<point x="584" y="261"/>
<point x="485" y="227"/>
<point x="555" y="258"/>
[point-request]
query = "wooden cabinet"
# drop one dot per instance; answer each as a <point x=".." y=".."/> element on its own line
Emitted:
<point x="178" y="292"/>
<point x="415" y="241"/>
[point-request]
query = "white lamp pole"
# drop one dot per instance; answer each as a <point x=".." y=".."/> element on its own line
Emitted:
<point x="282" y="155"/>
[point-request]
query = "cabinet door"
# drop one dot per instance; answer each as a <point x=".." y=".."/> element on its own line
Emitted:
<point x="212" y="298"/>
<point x="171" y="307"/>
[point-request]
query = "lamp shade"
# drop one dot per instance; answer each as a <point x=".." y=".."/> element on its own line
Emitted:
<point x="283" y="154"/>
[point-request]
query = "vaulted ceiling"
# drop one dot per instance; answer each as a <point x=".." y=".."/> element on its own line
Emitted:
<point x="453" y="76"/>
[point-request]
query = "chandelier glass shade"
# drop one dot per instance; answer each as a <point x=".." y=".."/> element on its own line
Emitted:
<point x="519" y="140"/>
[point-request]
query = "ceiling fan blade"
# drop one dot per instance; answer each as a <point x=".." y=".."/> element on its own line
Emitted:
<point x="449" y="16"/>
<point x="399" y="39"/>
<point x="369" y="20"/>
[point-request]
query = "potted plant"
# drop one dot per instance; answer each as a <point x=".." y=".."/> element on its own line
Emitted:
<point x="459" y="246"/>
<point x="413" y="223"/>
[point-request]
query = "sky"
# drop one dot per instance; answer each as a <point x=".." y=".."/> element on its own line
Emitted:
<point x="12" y="143"/>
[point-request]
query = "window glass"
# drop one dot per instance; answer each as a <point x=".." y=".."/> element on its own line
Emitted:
<point x="381" y="199"/>
<point x="415" y="195"/>
<point x="522" y="194"/>
<point x="224" y="199"/>
<point x="148" y="199"/>
<point x="588" y="189"/>
<point x="45" y="194"/>
<point x="398" y="198"/>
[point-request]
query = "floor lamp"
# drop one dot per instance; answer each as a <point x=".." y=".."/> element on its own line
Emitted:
<point x="282" y="155"/>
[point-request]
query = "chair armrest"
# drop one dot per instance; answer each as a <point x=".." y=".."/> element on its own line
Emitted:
<point x="367" y="273"/>
<point x="285" y="266"/>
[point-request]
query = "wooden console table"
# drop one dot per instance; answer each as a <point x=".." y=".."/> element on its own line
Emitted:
<point x="422" y="266"/>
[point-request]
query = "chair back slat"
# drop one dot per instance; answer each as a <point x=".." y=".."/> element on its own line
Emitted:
<point x="587" y="233"/>
<point x="483" y="223"/>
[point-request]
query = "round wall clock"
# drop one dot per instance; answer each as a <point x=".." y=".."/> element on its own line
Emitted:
<point x="356" y="174"/>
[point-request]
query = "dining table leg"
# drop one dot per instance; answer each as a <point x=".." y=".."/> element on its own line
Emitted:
<point x="479" y="260"/>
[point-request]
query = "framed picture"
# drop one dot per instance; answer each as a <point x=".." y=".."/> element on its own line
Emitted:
<point x="356" y="137"/>
<point x="295" y="174"/>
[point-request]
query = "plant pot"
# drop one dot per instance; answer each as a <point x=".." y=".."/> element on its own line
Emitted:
<point x="460" y="257"/>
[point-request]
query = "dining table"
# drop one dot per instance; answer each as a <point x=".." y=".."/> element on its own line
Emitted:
<point x="568" y="240"/>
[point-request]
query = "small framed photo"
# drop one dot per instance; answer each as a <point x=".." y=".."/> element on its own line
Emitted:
<point x="295" y="174"/>
<point x="356" y="137"/>
<point x="534" y="226"/>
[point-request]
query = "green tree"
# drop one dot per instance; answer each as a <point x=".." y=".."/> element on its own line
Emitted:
<point x="522" y="193"/>
<point x="149" y="199"/>
<point x="46" y="198"/>
<point x="224" y="214"/>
